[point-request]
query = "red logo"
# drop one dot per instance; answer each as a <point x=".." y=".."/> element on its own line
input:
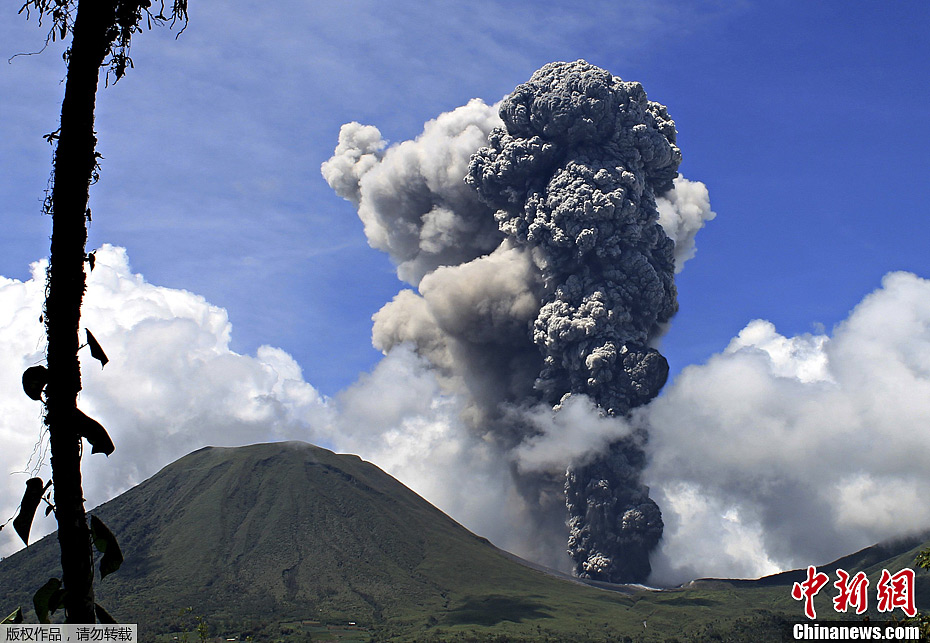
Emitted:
<point x="852" y="592"/>
<point x="894" y="591"/>
<point x="897" y="591"/>
<point x="807" y="590"/>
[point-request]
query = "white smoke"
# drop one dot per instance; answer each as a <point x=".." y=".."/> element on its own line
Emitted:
<point x="683" y="211"/>
<point x="572" y="434"/>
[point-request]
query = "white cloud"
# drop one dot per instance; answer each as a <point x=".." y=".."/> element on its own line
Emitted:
<point x="412" y="196"/>
<point x="172" y="384"/>
<point x="815" y="446"/>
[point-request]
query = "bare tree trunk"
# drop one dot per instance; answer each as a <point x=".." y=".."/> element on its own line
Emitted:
<point x="74" y="167"/>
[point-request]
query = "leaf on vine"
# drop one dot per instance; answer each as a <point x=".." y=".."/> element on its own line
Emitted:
<point x="27" y="508"/>
<point x="103" y="617"/>
<point x="106" y="544"/>
<point x="34" y="380"/>
<point x="57" y="601"/>
<point x="15" y="618"/>
<point x="45" y="599"/>
<point x="93" y="432"/>
<point x="95" y="351"/>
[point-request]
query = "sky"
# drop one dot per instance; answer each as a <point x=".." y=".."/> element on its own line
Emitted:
<point x="248" y="286"/>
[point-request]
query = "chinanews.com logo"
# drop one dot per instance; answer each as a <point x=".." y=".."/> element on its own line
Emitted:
<point x="892" y="592"/>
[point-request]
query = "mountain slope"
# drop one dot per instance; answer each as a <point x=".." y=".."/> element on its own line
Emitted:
<point x="289" y="532"/>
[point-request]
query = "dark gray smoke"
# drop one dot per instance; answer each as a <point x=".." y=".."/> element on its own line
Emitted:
<point x="543" y="275"/>
<point x="573" y="176"/>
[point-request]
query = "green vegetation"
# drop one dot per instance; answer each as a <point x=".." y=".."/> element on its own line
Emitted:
<point x="289" y="542"/>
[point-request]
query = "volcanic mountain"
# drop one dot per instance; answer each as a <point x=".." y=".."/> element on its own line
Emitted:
<point x="289" y="532"/>
<point x="282" y="541"/>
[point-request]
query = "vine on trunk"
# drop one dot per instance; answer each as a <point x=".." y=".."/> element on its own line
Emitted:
<point x="101" y="33"/>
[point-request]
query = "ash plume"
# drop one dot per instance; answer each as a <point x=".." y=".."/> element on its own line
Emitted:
<point x="573" y="176"/>
<point x="411" y="197"/>
<point x="535" y="234"/>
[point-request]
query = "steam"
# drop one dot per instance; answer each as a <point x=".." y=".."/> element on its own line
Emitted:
<point x="543" y="277"/>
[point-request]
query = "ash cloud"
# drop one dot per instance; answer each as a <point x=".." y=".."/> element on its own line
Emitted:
<point x="411" y="196"/>
<point x="470" y="322"/>
<point x="573" y="176"/>
<point x="552" y="278"/>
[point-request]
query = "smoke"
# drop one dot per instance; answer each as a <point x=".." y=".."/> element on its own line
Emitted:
<point x="543" y="276"/>
<point x="411" y="196"/>
<point x="573" y="175"/>
<point x="683" y="211"/>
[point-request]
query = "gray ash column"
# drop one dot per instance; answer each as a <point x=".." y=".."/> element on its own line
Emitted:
<point x="572" y="177"/>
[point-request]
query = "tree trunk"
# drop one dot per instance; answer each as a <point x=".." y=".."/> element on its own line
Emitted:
<point x="74" y="165"/>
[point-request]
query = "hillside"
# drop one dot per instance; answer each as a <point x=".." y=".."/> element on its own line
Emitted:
<point x="277" y="540"/>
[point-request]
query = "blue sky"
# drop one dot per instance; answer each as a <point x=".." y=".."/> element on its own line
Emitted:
<point x="807" y="122"/>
